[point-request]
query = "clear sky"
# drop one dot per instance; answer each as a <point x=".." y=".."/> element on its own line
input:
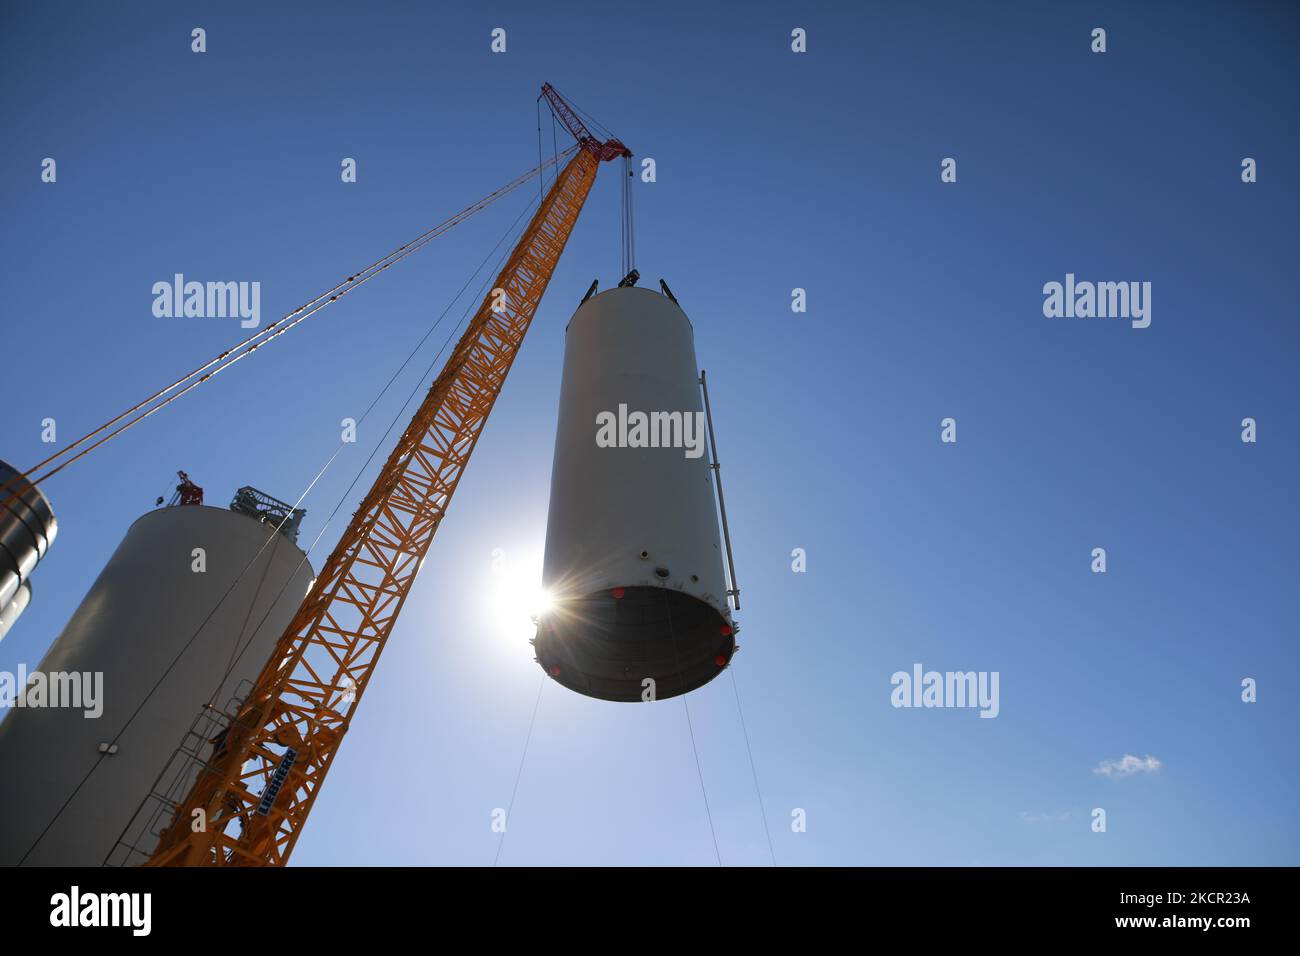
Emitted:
<point x="775" y="170"/>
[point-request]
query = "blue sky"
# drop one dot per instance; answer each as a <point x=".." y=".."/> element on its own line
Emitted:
<point x="775" y="171"/>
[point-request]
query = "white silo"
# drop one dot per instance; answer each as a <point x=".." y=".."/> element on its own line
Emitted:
<point x="176" y="568"/>
<point x="633" y="562"/>
<point x="27" y="529"/>
<point x="11" y="611"/>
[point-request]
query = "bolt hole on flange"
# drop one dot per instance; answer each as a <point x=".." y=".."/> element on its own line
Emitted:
<point x="662" y="573"/>
<point x="644" y="555"/>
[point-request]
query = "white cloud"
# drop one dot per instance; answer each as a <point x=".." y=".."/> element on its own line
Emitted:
<point x="1127" y="765"/>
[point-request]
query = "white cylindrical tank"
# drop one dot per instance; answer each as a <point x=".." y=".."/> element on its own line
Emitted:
<point x="14" y="609"/>
<point x="146" y="604"/>
<point x="27" y="529"/>
<point x="633" y="562"/>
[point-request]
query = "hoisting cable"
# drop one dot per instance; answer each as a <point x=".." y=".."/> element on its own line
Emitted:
<point x="261" y="583"/>
<point x="555" y="149"/>
<point x="699" y="769"/>
<point x="623" y="267"/>
<point x="515" y="230"/>
<point x="272" y="537"/>
<point x="753" y="769"/>
<point x="629" y="230"/>
<point x="512" y="230"/>
<point x="224" y="360"/>
<point x="227" y="358"/>
<point x="520" y="772"/>
<point x="541" y="180"/>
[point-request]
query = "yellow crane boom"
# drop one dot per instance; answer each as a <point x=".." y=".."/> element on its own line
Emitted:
<point x="250" y="800"/>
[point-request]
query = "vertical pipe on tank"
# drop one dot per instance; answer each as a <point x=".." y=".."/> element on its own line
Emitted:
<point x="734" y="590"/>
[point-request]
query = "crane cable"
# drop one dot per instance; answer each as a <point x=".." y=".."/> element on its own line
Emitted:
<point x="629" y="235"/>
<point x="623" y="267"/>
<point x="514" y="791"/>
<point x="541" y="180"/>
<point x="555" y="151"/>
<point x="275" y="534"/>
<point x="753" y="769"/>
<point x="229" y="357"/>
<point x="690" y="726"/>
<point x="515" y="231"/>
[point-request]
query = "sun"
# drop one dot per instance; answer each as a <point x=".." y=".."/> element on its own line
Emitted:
<point x="516" y="598"/>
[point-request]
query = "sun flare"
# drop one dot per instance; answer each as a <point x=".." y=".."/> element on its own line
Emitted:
<point x="516" y="598"/>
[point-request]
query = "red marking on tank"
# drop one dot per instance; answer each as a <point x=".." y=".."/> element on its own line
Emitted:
<point x="618" y="592"/>
<point x="726" y="630"/>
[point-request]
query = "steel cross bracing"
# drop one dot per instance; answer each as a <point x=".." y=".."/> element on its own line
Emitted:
<point x="251" y="798"/>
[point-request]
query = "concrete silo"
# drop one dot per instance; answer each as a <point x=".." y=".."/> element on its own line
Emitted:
<point x="633" y="562"/>
<point x="187" y="611"/>
<point x="27" y="529"/>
